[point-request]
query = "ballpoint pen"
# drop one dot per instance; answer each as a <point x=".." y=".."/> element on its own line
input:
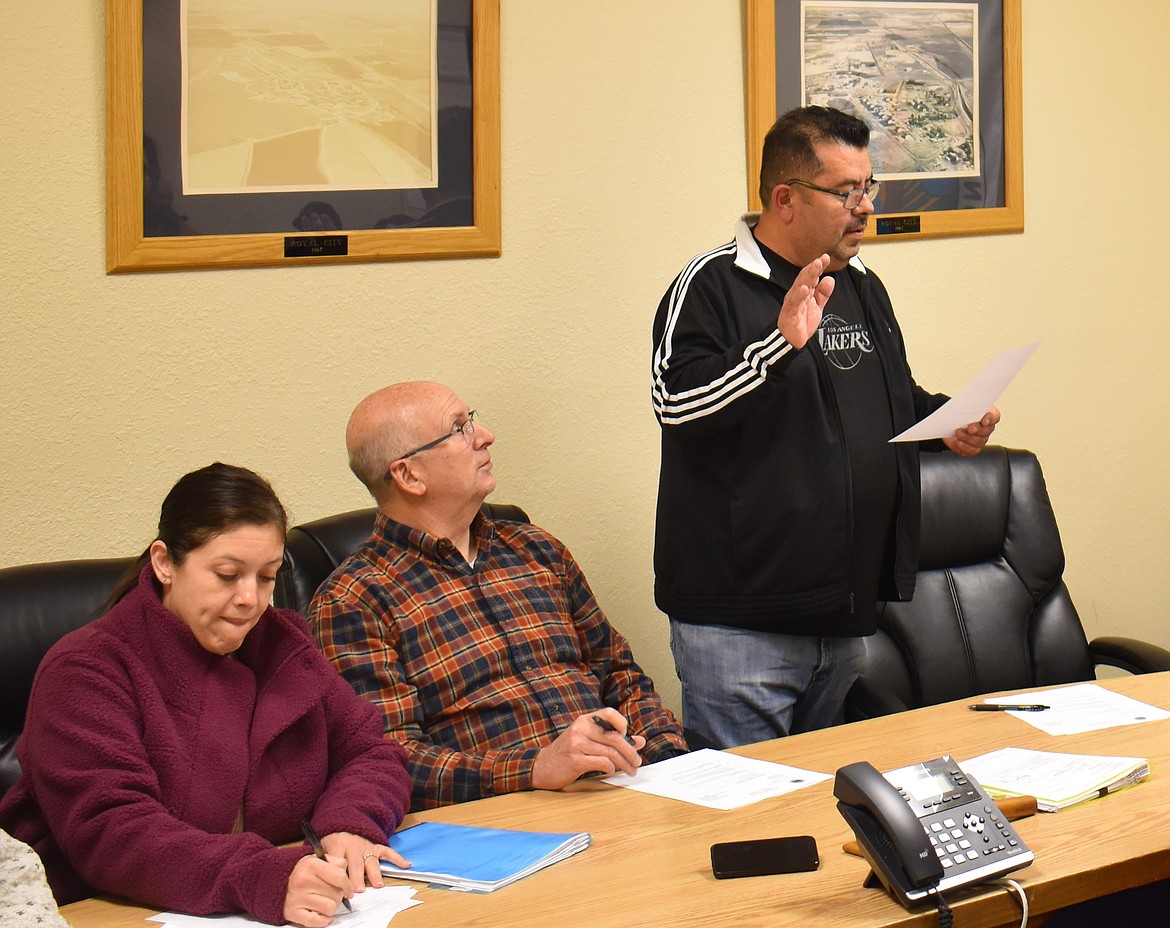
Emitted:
<point x="1006" y="707"/>
<point x="311" y="837"/>
<point x="606" y="726"/>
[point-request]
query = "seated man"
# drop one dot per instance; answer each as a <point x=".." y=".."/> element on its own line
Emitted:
<point x="480" y="640"/>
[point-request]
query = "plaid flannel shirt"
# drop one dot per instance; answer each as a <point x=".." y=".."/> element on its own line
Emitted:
<point x="476" y="668"/>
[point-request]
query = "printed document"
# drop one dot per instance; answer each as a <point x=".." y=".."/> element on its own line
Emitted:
<point x="970" y="403"/>
<point x="717" y="779"/>
<point x="1080" y="708"/>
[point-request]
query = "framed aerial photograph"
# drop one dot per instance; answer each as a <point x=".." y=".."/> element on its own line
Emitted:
<point x="245" y="133"/>
<point x="938" y="82"/>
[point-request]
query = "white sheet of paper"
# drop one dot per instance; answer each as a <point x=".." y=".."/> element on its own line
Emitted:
<point x="717" y="779"/>
<point x="970" y="403"/>
<point x="1073" y="710"/>
<point x="373" y="908"/>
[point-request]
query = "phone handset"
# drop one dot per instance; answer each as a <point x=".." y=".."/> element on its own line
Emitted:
<point x="887" y="829"/>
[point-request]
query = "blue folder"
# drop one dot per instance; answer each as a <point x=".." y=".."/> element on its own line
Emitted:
<point x="473" y="859"/>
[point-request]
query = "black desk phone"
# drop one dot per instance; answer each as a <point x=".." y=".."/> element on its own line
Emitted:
<point x="927" y="828"/>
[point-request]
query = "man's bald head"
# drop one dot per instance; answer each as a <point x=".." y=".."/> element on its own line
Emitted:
<point x="385" y="426"/>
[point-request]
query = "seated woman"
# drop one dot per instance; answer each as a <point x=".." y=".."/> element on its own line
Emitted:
<point x="173" y="745"/>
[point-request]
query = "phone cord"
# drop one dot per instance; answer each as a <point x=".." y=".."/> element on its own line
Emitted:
<point x="1013" y="887"/>
<point x="945" y="918"/>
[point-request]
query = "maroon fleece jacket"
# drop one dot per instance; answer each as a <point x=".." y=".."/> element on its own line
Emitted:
<point x="140" y="750"/>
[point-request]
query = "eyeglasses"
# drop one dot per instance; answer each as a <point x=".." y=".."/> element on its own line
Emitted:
<point x="466" y="429"/>
<point x="850" y="199"/>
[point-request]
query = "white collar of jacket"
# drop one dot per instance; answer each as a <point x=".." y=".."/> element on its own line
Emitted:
<point x="747" y="250"/>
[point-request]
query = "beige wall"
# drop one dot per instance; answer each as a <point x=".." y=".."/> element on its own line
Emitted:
<point x="623" y="155"/>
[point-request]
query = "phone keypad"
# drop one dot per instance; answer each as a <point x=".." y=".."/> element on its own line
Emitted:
<point x="980" y="833"/>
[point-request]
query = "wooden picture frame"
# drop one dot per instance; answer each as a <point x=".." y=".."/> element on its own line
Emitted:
<point x="129" y="249"/>
<point x="772" y="90"/>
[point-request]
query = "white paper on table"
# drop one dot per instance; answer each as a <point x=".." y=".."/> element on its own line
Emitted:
<point x="1084" y="707"/>
<point x="373" y="908"/>
<point x="972" y="402"/>
<point x="717" y="779"/>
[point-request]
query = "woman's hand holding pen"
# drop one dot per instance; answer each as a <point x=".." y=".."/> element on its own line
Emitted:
<point x="340" y="865"/>
<point x="361" y="858"/>
<point x="316" y="888"/>
<point x="595" y="743"/>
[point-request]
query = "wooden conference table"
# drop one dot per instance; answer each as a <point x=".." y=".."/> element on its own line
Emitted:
<point x="649" y="863"/>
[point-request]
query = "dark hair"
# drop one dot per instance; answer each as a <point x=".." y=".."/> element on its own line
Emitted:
<point x="203" y="504"/>
<point x="790" y="145"/>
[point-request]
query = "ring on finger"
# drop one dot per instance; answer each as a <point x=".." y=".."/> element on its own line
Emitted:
<point x="367" y="856"/>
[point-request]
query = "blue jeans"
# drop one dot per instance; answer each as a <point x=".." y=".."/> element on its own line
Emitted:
<point x="740" y="687"/>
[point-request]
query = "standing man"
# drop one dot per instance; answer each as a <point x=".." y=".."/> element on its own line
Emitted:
<point x="479" y="640"/>
<point x="784" y="515"/>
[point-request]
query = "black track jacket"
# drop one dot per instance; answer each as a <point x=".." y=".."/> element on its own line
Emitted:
<point x="754" y="500"/>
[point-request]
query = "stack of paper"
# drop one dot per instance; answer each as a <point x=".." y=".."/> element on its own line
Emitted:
<point x="478" y="860"/>
<point x="1056" y="780"/>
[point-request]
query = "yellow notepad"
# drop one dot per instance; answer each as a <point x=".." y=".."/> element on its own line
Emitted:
<point x="1056" y="780"/>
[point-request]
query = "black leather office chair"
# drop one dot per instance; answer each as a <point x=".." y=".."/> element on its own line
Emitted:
<point x="39" y="603"/>
<point x="991" y="610"/>
<point x="313" y="550"/>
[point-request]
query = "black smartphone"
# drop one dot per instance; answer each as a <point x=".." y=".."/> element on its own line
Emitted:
<point x="765" y="856"/>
